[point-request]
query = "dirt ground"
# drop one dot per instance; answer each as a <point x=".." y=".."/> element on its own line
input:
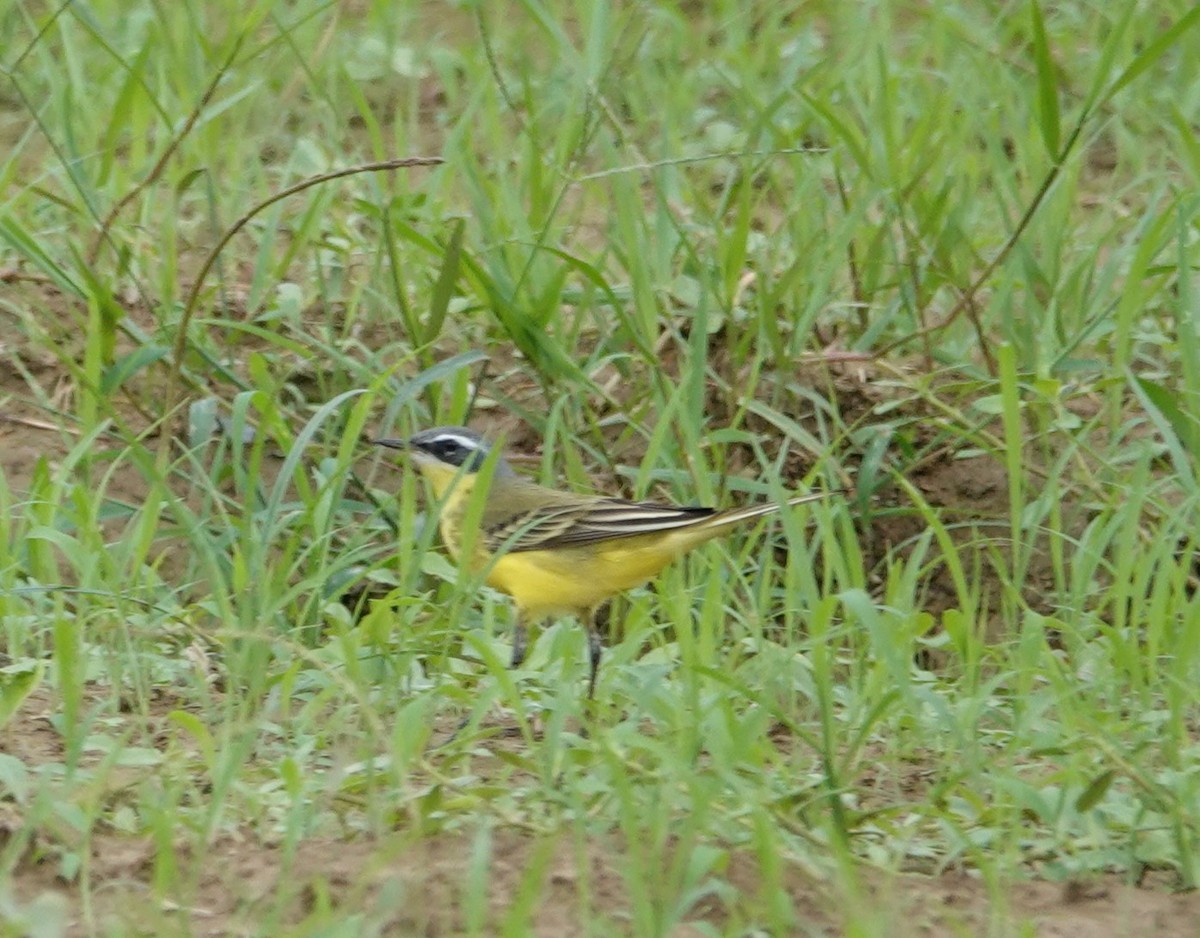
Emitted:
<point x="407" y="886"/>
<point x="417" y="888"/>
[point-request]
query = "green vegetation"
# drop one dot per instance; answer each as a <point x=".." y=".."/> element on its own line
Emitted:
<point x="941" y="254"/>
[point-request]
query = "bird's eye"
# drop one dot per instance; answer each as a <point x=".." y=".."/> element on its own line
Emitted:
<point x="448" y="450"/>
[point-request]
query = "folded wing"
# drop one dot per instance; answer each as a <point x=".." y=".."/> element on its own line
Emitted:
<point x="551" y="526"/>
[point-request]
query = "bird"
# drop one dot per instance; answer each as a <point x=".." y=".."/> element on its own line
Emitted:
<point x="555" y="552"/>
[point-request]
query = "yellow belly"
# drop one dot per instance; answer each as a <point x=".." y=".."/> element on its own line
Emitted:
<point x="570" y="580"/>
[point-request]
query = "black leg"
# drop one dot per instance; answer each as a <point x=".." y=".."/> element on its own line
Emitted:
<point x="600" y="619"/>
<point x="595" y="651"/>
<point x="520" y="642"/>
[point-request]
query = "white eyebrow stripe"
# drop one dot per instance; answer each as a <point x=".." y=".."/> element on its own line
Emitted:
<point x="465" y="441"/>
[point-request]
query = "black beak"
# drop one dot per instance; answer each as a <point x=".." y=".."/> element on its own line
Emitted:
<point x="392" y="444"/>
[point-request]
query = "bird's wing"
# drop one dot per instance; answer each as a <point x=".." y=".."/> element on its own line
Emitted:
<point x="587" y="521"/>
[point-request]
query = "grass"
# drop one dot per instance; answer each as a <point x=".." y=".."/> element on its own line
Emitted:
<point x="943" y="255"/>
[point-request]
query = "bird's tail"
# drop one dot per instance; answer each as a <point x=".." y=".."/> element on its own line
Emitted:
<point x="724" y="519"/>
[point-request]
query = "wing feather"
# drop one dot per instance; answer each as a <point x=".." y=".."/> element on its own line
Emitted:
<point x="588" y="522"/>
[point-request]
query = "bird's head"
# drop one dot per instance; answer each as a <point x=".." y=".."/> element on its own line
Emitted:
<point x="444" y="451"/>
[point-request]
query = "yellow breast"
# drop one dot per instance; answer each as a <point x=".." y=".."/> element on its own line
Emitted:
<point x="566" y="580"/>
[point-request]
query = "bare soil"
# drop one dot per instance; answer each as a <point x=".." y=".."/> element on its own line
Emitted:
<point x="406" y="886"/>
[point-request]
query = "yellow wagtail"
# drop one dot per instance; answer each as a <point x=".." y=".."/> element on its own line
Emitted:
<point x="558" y="553"/>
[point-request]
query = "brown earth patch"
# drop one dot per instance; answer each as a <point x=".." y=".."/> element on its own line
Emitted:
<point x="443" y="885"/>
